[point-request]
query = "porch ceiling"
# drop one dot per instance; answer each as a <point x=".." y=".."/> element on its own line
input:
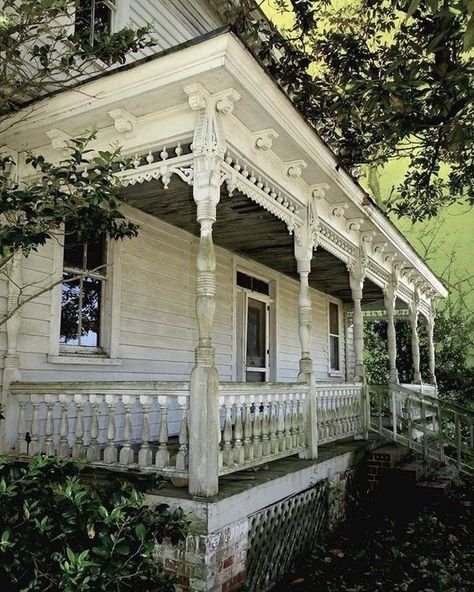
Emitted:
<point x="245" y="228"/>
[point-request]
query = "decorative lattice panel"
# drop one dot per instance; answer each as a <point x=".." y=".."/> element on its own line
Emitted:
<point x="280" y="532"/>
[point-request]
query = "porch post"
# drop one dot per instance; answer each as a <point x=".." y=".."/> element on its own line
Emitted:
<point x="415" y="343"/>
<point x="11" y="371"/>
<point x="390" y="296"/>
<point x="208" y="149"/>
<point x="430" y="320"/>
<point x="305" y="241"/>
<point x="356" y="280"/>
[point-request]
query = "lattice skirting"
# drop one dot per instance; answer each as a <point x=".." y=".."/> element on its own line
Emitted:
<point x="283" y="530"/>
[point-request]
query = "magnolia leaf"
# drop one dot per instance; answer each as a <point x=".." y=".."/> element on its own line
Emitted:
<point x="469" y="34"/>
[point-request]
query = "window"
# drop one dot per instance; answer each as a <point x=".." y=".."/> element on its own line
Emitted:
<point x="93" y="18"/>
<point x="334" y="356"/>
<point x="82" y="292"/>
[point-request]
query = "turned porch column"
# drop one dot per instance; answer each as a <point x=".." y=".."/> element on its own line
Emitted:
<point x="415" y="342"/>
<point x="208" y="150"/>
<point x="305" y="242"/>
<point x="390" y="297"/>
<point x="356" y="280"/>
<point x="430" y="321"/>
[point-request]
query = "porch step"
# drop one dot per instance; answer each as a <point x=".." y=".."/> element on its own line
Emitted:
<point x="408" y="473"/>
<point x="433" y="490"/>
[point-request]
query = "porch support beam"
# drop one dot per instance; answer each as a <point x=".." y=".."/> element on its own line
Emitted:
<point x="415" y="342"/>
<point x="390" y="296"/>
<point x="357" y="272"/>
<point x="430" y="321"/>
<point x="208" y="150"/>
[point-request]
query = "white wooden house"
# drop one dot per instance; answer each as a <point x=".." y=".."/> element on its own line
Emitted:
<point x="220" y="338"/>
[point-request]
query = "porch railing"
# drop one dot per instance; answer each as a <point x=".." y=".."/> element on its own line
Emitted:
<point x="439" y="430"/>
<point x="144" y="425"/>
<point x="125" y="425"/>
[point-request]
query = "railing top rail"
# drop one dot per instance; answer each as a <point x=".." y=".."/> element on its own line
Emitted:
<point x="100" y="387"/>
<point x="262" y="388"/>
<point x="426" y="398"/>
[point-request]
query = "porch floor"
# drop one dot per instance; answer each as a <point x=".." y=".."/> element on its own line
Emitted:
<point x="236" y="483"/>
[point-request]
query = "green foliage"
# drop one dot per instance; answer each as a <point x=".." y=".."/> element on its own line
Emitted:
<point x="59" y="532"/>
<point x="380" y="80"/>
<point x="81" y="192"/>
<point x="453" y="341"/>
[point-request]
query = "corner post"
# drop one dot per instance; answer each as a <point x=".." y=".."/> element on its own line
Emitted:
<point x="390" y="296"/>
<point x="415" y="342"/>
<point x="357" y="272"/>
<point x="208" y="150"/>
<point x="304" y="243"/>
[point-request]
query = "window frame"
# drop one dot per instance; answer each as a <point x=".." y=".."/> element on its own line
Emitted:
<point x="109" y="349"/>
<point x="120" y="12"/>
<point x="335" y="371"/>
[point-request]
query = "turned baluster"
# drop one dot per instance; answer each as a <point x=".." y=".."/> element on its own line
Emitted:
<point x="23" y="434"/>
<point x="302" y="434"/>
<point x="127" y="456"/>
<point x="63" y="448"/>
<point x="257" y="432"/>
<point x="239" y="453"/>
<point x="265" y="430"/>
<point x="162" y="458"/>
<point x="49" y="430"/>
<point x="331" y="414"/>
<point x="294" y="421"/>
<point x="248" y="448"/>
<point x="78" y="448"/>
<point x="93" y="450"/>
<point x="287" y="416"/>
<point x="145" y="455"/>
<point x="110" y="451"/>
<point x="281" y="426"/>
<point x="35" y="445"/>
<point x="182" y="458"/>
<point x="273" y="427"/>
<point x="227" y="456"/>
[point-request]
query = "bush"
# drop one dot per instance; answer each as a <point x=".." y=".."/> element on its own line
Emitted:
<point x="59" y="532"/>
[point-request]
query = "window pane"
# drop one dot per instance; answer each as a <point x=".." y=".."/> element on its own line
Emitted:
<point x="334" y="352"/>
<point x="256" y="330"/>
<point x="91" y="298"/>
<point x="70" y="297"/>
<point x="96" y="254"/>
<point x="73" y="251"/>
<point x="333" y="318"/>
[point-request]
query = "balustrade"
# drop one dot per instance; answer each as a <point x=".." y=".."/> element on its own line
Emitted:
<point x="144" y="426"/>
<point x="134" y="425"/>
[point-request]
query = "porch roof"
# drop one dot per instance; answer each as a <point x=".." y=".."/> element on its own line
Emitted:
<point x="151" y="91"/>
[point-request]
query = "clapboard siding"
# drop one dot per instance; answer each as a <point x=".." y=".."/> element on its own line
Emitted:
<point x="158" y="329"/>
<point x="173" y="21"/>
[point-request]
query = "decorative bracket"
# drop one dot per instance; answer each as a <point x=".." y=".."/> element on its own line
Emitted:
<point x="124" y="122"/>
<point x="319" y="190"/>
<point x="368" y="236"/>
<point x="264" y="138"/>
<point x="295" y="168"/>
<point x="379" y="247"/>
<point x="59" y="139"/>
<point x="355" y="224"/>
<point x="338" y="209"/>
